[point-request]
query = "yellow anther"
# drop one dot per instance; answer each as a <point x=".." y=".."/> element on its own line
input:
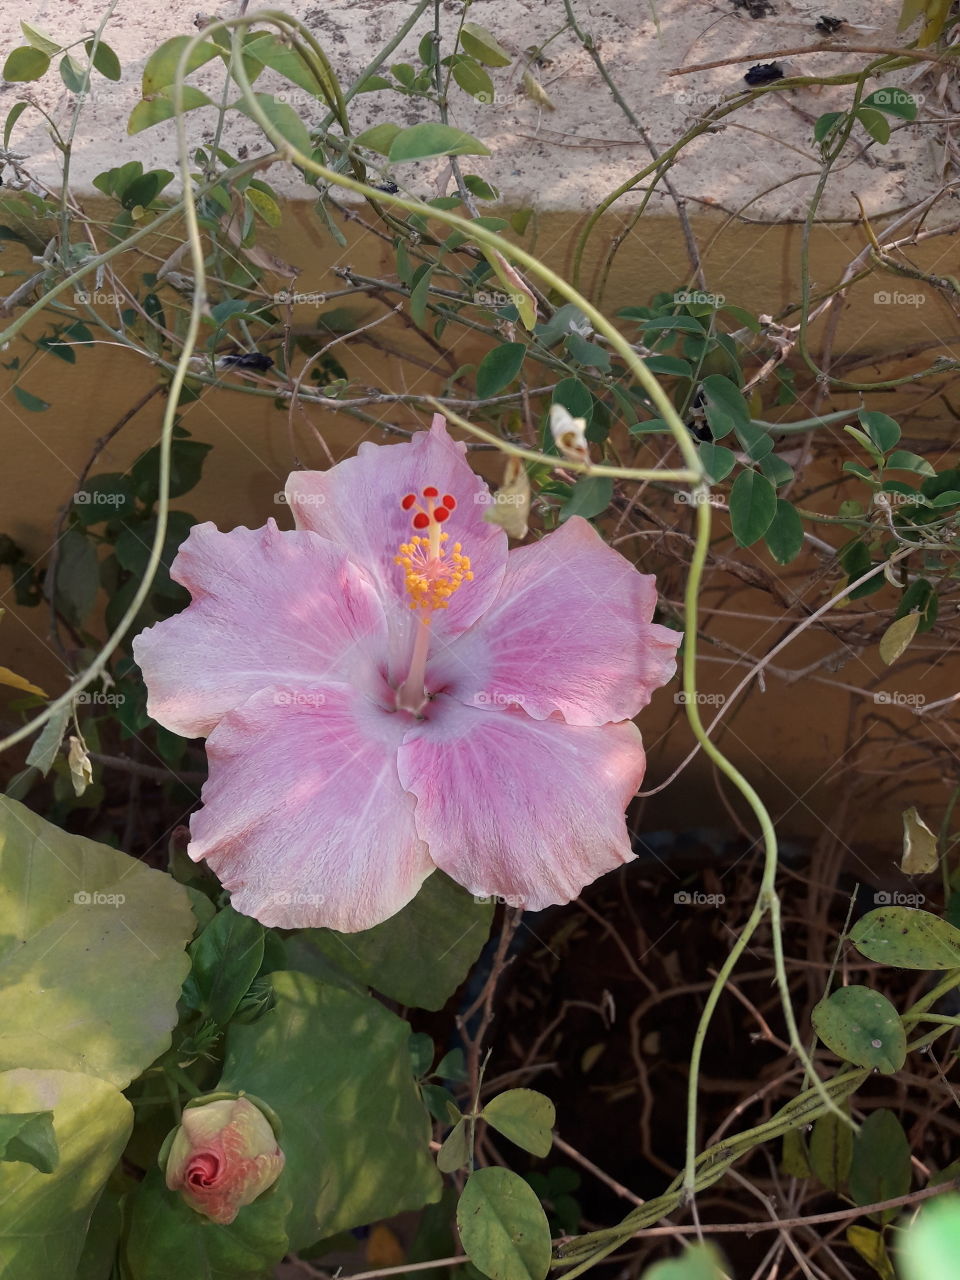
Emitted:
<point x="432" y="573"/>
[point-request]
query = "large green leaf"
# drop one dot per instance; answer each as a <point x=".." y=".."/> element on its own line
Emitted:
<point x="45" y="1215"/>
<point x="167" y="1238"/>
<point x="421" y="141"/>
<point x="91" y="952"/>
<point x="336" y="1069"/>
<point x="29" y="1137"/>
<point x="880" y="1169"/>
<point x="753" y="505"/>
<point x="419" y="956"/>
<point x="503" y="1227"/>
<point x="907" y="939"/>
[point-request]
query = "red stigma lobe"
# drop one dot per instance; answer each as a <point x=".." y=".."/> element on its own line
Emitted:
<point x="431" y="492"/>
<point x="408" y="501"/>
<point x="421" y="520"/>
<point x="449" y="501"/>
<point x="440" y="514"/>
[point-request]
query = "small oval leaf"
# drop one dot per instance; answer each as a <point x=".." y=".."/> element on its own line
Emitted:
<point x="907" y="939"/>
<point x="503" y="1227"/>
<point x="862" y="1026"/>
<point x="524" y="1116"/>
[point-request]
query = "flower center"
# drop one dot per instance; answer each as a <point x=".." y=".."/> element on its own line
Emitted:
<point x="432" y="572"/>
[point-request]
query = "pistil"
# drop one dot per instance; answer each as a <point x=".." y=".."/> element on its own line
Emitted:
<point x="432" y="573"/>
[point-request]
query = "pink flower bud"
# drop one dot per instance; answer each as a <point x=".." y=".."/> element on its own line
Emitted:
<point x="222" y="1157"/>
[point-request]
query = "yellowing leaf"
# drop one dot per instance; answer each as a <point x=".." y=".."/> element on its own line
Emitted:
<point x="920" y="854"/>
<point x="511" y="502"/>
<point x="535" y="91"/>
<point x="17" y="682"/>
<point x="520" y="294"/>
<point x="81" y="770"/>
<point x="897" y="637"/>
<point x="869" y="1244"/>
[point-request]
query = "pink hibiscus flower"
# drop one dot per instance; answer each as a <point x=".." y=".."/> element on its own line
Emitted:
<point x="388" y="690"/>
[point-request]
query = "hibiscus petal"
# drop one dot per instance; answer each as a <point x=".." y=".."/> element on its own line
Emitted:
<point x="357" y="504"/>
<point x="269" y="606"/>
<point x="304" y="819"/>
<point x="528" y="810"/>
<point x="570" y="631"/>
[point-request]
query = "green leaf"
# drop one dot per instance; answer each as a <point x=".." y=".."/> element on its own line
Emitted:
<point x="45" y="1215"/>
<point x="105" y="60"/>
<point x="379" y="138"/>
<point x="920" y="598"/>
<point x="881" y="429"/>
<point x="77" y="575"/>
<point x="893" y="102"/>
<point x="478" y="42"/>
<point x="784" y="537"/>
<point x="91" y="952"/>
<point x="831" y="1150"/>
<point x="718" y="461"/>
<point x="419" y="956"/>
<point x="13" y="115"/>
<point x="904" y="460"/>
<point x="421" y="141"/>
<point x="775" y="469"/>
<point x="498" y="368"/>
<point x="897" y="637"/>
<point x="160" y="107"/>
<point x="932" y="1244"/>
<point x="875" y="123"/>
<point x="72" y="73"/>
<point x="870" y="1246"/>
<point x="862" y="1026"/>
<point x="271" y="51"/>
<point x="335" y="1068"/>
<point x="46" y="747"/>
<point x="28" y="1138"/>
<point x="753" y="506"/>
<point x="25" y="63"/>
<point x="285" y="121"/>
<point x="699" y="1262"/>
<point x="524" y="1116"/>
<point x="856" y="561"/>
<point x="39" y="39"/>
<point x="673" y="366"/>
<point x="455" y="1152"/>
<point x="32" y="404"/>
<point x="503" y="1227"/>
<point x="575" y="397"/>
<point x="167" y="1238"/>
<point x="186" y="466"/>
<point x="472" y="79"/>
<point x="825" y="123"/>
<point x="726" y="408"/>
<point x="880" y="1168"/>
<point x="420" y="293"/>
<point x="591" y="495"/>
<point x="133" y="545"/>
<point x="907" y="939"/>
<point x="226" y="958"/>
<point x="160" y="71"/>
